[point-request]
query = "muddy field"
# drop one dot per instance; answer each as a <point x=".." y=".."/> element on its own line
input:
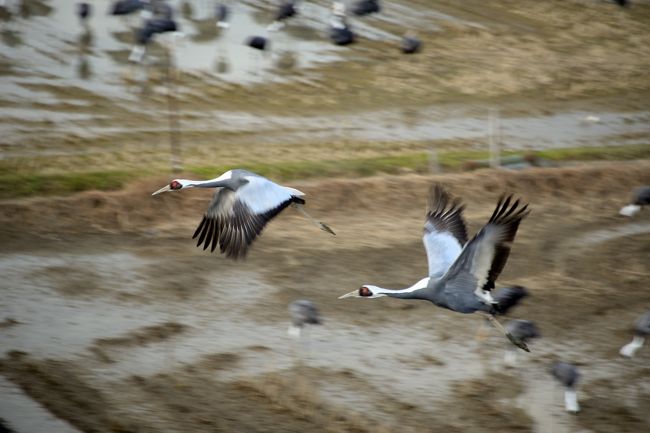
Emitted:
<point x="544" y="66"/>
<point x="112" y="321"/>
<point x="115" y="322"/>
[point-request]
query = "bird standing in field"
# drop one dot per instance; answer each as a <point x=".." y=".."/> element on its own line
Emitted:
<point x="461" y="273"/>
<point x="287" y="9"/>
<point x="641" y="331"/>
<point x="568" y="375"/>
<point x="302" y="312"/>
<point x="244" y="203"/>
<point x="640" y="198"/>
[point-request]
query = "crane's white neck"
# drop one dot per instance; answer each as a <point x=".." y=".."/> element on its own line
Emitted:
<point x="210" y="183"/>
<point x="409" y="292"/>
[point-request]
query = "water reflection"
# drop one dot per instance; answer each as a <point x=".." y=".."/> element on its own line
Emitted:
<point x="221" y="65"/>
<point x="84" y="70"/>
<point x="11" y="38"/>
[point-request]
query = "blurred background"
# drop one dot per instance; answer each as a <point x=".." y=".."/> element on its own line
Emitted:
<point x="112" y="321"/>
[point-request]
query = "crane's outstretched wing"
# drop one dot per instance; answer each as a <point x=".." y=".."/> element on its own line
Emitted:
<point x="483" y="258"/>
<point x="235" y="218"/>
<point x="444" y="230"/>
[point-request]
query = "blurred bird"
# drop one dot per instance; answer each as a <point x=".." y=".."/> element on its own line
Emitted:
<point x="568" y="375"/>
<point x="258" y="42"/>
<point x="641" y="331"/>
<point x="222" y="15"/>
<point x="461" y="273"/>
<point x="83" y="11"/>
<point x="244" y="203"/>
<point x="340" y="32"/>
<point x="522" y="330"/>
<point x="338" y="9"/>
<point x="410" y="45"/>
<point x="365" y="7"/>
<point x="640" y="198"/>
<point x="302" y="313"/>
<point x="285" y="11"/>
<point x="621" y="3"/>
<point x="127" y="7"/>
<point x="162" y="21"/>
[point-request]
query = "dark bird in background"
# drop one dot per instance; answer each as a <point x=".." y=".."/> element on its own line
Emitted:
<point x="240" y="209"/>
<point x="640" y="198"/>
<point x="522" y="330"/>
<point x="84" y="10"/>
<point x="410" y="45"/>
<point x="162" y="21"/>
<point x="568" y="375"/>
<point x="461" y="274"/>
<point x="153" y="27"/>
<point x="258" y="42"/>
<point x="222" y="14"/>
<point x="302" y="312"/>
<point x="641" y="331"/>
<point x="339" y="31"/>
<point x="622" y="3"/>
<point x="284" y="12"/>
<point x="126" y="7"/>
<point x="365" y="7"/>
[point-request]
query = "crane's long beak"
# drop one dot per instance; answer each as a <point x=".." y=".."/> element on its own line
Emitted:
<point x="163" y="189"/>
<point x="351" y="294"/>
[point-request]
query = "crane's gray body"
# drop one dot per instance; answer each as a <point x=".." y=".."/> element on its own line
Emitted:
<point x="522" y="330"/>
<point x="304" y="312"/>
<point x="642" y="325"/>
<point x="565" y="373"/>
<point x="641" y="196"/>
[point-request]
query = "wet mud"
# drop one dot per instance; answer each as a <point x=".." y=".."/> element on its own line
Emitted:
<point x="167" y="337"/>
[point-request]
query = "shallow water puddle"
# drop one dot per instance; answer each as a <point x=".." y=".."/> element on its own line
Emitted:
<point x="24" y="415"/>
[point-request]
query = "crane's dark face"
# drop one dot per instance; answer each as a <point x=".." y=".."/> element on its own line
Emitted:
<point x="174" y="185"/>
<point x="367" y="291"/>
<point x="364" y="292"/>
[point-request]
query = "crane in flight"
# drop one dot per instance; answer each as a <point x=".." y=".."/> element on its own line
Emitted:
<point x="461" y="273"/>
<point x="242" y="206"/>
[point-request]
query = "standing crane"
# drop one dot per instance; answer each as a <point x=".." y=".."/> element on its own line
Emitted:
<point x="461" y="273"/>
<point x="641" y="331"/>
<point x="568" y="375"/>
<point x="640" y="198"/>
<point x="244" y="203"/>
<point x="302" y="312"/>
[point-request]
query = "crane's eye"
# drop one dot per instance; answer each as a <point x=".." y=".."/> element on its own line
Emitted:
<point x="175" y="185"/>
<point x="364" y="291"/>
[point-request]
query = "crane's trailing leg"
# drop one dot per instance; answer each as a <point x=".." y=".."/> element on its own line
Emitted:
<point x="513" y="340"/>
<point x="319" y="224"/>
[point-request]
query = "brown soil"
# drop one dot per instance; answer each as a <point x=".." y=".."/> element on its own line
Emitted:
<point x="219" y="365"/>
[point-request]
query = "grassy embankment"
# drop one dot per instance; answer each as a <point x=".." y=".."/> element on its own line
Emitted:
<point x="26" y="184"/>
